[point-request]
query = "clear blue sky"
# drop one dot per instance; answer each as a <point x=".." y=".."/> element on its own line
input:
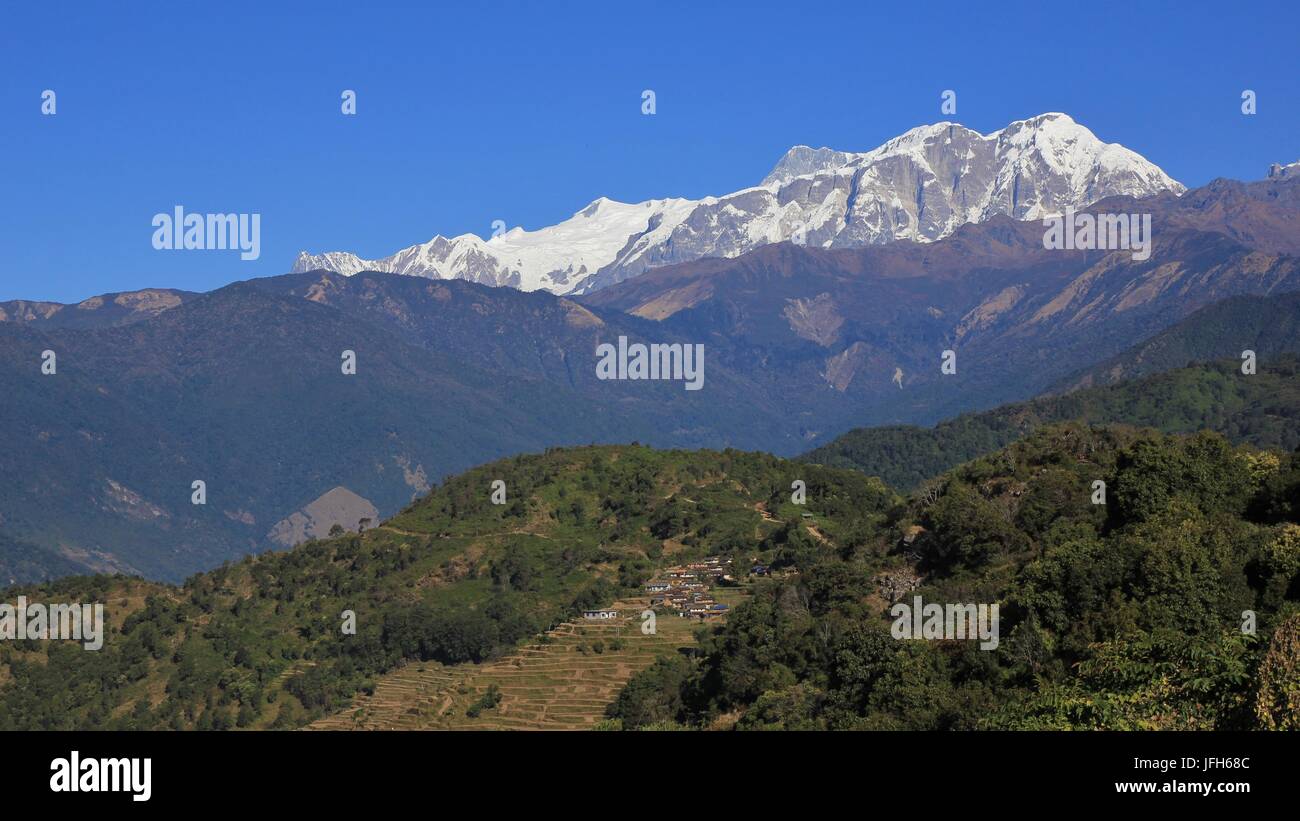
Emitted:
<point x="527" y="112"/>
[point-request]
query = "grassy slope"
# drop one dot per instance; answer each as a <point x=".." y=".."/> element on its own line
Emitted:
<point x="563" y="680"/>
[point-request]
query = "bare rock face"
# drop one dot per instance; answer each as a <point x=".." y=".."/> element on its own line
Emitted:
<point x="814" y="319"/>
<point x="103" y="311"/>
<point x="920" y="186"/>
<point x="339" y="506"/>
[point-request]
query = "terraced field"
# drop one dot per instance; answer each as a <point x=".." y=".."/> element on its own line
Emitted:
<point x="561" y="682"/>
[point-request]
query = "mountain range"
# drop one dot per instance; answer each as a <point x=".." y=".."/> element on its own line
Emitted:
<point x="921" y="185"/>
<point x="242" y="388"/>
<point x="870" y="324"/>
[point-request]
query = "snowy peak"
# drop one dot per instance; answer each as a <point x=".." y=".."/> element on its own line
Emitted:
<point x="1054" y="146"/>
<point x="921" y="185"/>
<point x="1049" y="145"/>
<point x="341" y="262"/>
<point x="1279" y="171"/>
<point x="556" y="258"/>
<point x="801" y="161"/>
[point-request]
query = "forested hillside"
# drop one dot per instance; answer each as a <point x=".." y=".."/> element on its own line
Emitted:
<point x="453" y="579"/>
<point x="1127" y="614"/>
<point x="1267" y="325"/>
<point x="1123" y="615"/>
<point x="1262" y="409"/>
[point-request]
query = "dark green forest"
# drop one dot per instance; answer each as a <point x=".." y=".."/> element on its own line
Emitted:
<point x="1127" y="615"/>
<point x="1262" y="409"/>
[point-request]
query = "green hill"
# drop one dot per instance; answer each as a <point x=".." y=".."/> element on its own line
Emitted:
<point x="1124" y="615"/>
<point x="453" y="579"/>
<point x="1127" y="615"/>
<point x="1262" y="409"/>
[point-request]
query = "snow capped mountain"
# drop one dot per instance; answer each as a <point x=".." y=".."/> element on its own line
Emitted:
<point x="558" y="258"/>
<point x="1279" y="171"/>
<point x="920" y="186"/>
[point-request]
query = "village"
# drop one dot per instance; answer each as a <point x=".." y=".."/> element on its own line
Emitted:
<point x="687" y="589"/>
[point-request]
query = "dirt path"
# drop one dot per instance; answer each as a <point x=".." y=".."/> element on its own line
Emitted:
<point x="419" y="535"/>
<point x="392" y="529"/>
<point x="761" y="507"/>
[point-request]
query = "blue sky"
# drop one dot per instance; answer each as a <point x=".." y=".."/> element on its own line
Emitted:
<point x="526" y="112"/>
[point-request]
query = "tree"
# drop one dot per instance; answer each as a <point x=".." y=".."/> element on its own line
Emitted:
<point x="1202" y="469"/>
<point x="654" y="695"/>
